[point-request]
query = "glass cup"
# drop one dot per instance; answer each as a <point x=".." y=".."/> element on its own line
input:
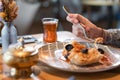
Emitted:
<point x="50" y="27"/>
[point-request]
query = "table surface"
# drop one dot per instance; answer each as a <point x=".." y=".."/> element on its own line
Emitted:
<point x="48" y="73"/>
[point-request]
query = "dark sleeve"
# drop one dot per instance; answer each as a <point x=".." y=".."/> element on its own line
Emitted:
<point x="112" y="37"/>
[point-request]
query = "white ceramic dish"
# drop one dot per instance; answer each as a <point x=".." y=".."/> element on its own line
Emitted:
<point x="50" y="53"/>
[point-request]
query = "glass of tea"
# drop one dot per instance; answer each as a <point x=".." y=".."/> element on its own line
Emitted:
<point x="50" y="27"/>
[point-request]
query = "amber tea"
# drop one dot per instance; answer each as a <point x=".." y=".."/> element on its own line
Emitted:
<point x="50" y="27"/>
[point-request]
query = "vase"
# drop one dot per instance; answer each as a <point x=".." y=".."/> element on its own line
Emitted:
<point x="8" y="35"/>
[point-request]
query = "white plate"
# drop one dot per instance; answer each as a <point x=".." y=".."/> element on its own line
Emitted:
<point x="50" y="53"/>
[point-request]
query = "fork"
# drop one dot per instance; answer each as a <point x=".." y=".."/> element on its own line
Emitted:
<point x="67" y="10"/>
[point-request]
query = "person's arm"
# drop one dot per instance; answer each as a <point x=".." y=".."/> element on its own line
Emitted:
<point x="92" y="31"/>
<point x="112" y="37"/>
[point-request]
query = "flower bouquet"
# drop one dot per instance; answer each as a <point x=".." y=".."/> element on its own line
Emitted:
<point x="8" y="10"/>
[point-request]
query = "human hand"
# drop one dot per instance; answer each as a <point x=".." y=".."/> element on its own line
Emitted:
<point x="77" y="18"/>
<point x="92" y="30"/>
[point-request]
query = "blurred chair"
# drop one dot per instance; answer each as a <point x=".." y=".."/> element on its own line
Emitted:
<point x="26" y="13"/>
<point x="106" y="7"/>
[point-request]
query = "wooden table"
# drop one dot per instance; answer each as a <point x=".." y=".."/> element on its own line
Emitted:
<point x="48" y="73"/>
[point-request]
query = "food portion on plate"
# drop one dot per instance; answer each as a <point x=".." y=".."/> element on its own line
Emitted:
<point x="79" y="54"/>
<point x="66" y="56"/>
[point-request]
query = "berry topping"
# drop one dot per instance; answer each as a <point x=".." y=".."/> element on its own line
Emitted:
<point x="68" y="47"/>
<point x="66" y="56"/>
<point x="85" y="50"/>
<point x="101" y="50"/>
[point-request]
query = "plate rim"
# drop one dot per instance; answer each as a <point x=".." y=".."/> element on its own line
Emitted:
<point x="89" y="71"/>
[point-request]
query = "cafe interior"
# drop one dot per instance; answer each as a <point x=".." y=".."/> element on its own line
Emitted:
<point x="103" y="13"/>
<point x="36" y="60"/>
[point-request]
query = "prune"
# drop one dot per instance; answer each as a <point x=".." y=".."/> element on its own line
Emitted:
<point x="101" y="50"/>
<point x="66" y="56"/>
<point x="68" y="47"/>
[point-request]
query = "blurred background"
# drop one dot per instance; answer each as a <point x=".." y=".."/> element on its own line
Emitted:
<point x="103" y="13"/>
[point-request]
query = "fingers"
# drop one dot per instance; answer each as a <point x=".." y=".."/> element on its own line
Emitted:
<point x="85" y="27"/>
<point x="87" y="23"/>
<point x="83" y="20"/>
<point x="77" y="18"/>
<point x="72" y="18"/>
